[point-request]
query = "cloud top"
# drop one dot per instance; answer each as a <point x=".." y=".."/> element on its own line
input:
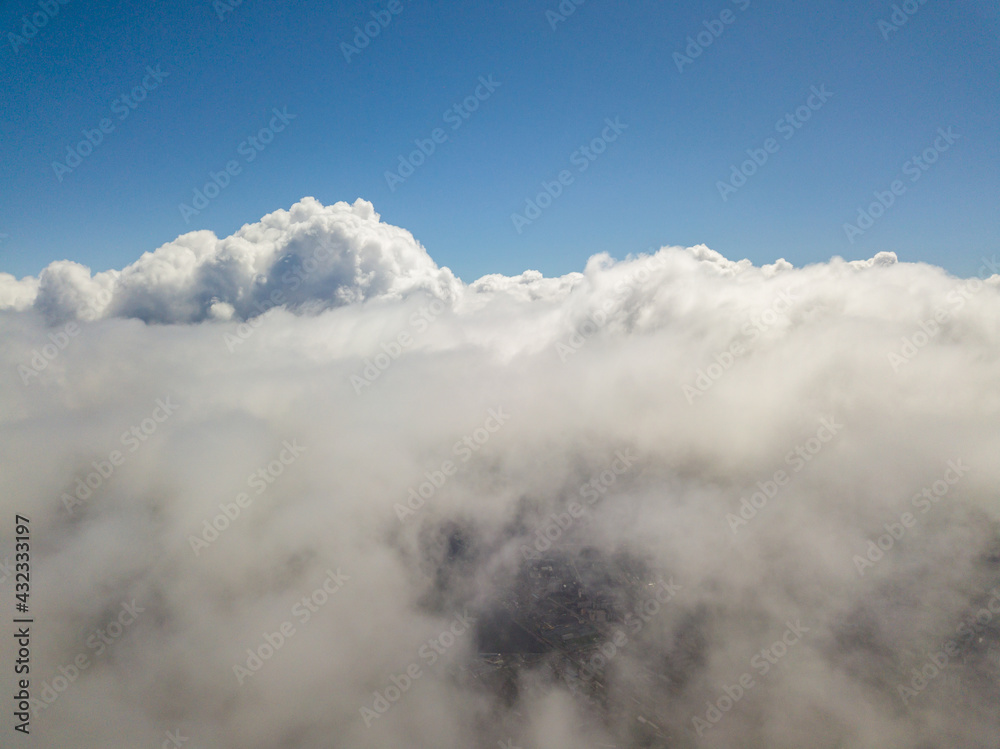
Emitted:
<point x="314" y="256"/>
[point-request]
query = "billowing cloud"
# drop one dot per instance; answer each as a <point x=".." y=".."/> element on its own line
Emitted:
<point x="671" y="500"/>
<point x="311" y="256"/>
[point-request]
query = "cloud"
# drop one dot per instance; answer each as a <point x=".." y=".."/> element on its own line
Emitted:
<point x="716" y="458"/>
<point x="312" y="256"/>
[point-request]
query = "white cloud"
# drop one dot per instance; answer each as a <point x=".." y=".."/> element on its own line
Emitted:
<point x="315" y="256"/>
<point x="637" y="332"/>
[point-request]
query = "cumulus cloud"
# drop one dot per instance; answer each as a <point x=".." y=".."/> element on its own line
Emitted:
<point x="311" y="256"/>
<point x="670" y="500"/>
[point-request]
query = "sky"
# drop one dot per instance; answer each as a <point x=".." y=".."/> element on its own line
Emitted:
<point x="555" y="80"/>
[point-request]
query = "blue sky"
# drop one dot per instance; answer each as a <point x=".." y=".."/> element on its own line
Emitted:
<point x="657" y="183"/>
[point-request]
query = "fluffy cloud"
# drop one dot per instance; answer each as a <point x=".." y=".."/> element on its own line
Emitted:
<point x="311" y="256"/>
<point x="788" y="477"/>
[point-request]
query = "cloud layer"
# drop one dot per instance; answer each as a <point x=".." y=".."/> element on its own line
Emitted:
<point x="309" y="442"/>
